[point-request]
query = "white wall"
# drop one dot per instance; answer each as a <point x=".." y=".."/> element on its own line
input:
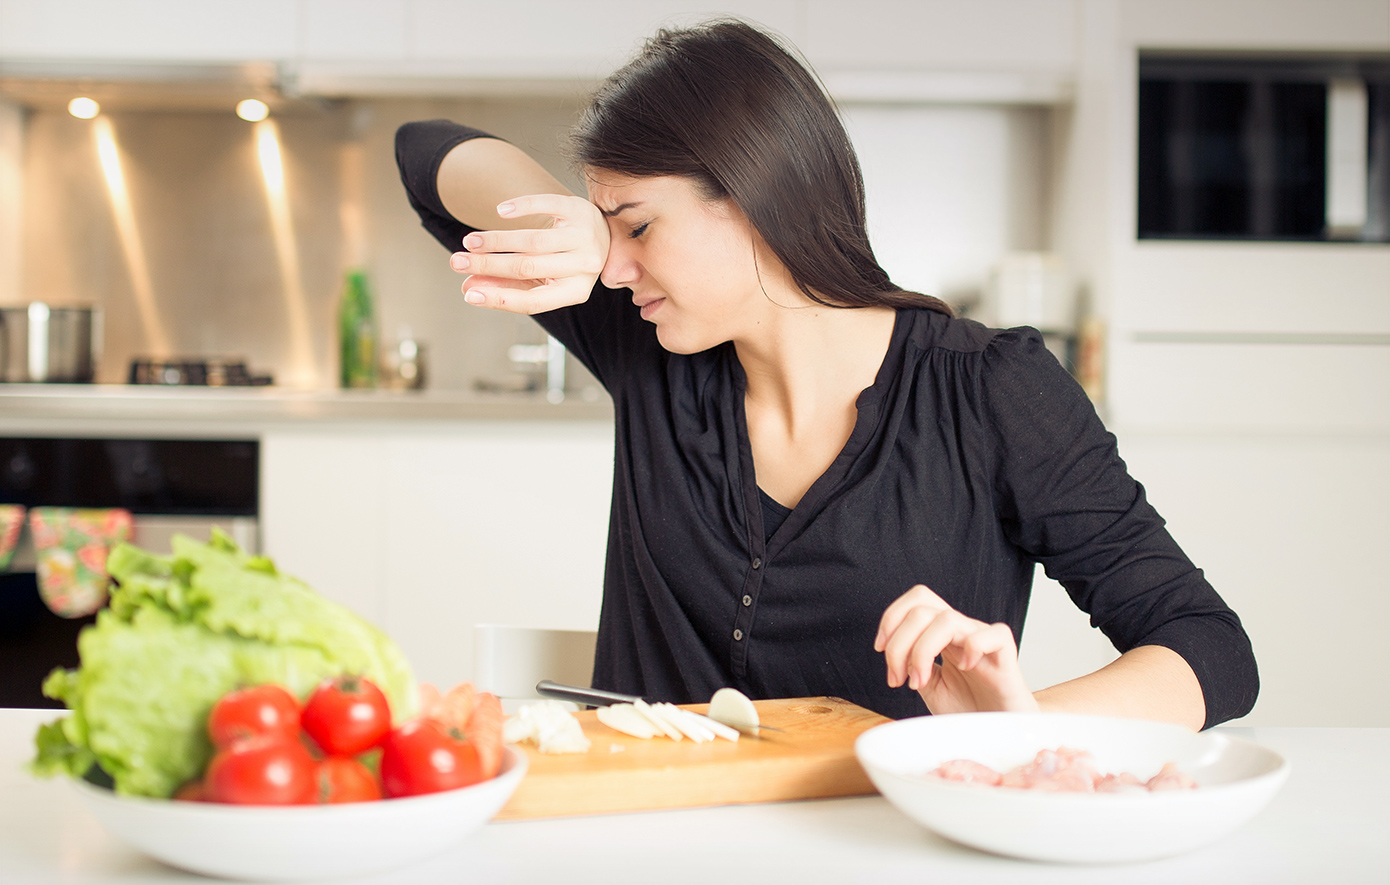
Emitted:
<point x="950" y="189"/>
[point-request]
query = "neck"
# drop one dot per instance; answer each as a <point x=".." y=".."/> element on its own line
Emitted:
<point x="802" y="361"/>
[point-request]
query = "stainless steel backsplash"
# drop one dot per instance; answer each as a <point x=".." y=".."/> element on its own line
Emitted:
<point x="195" y="269"/>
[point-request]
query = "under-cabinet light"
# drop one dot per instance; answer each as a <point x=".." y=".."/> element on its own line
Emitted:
<point x="83" y="108"/>
<point x="252" y="110"/>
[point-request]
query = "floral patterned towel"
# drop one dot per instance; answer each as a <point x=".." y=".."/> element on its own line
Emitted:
<point x="11" y="521"/>
<point x="71" y="546"/>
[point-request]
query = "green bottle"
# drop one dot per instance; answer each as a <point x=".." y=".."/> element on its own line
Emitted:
<point x="357" y="333"/>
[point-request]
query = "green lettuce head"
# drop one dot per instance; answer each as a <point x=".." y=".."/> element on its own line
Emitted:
<point x="182" y="631"/>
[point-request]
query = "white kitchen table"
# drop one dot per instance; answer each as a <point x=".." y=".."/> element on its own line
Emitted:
<point x="1330" y="823"/>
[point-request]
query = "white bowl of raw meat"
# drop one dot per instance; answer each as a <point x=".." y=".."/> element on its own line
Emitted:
<point x="1002" y="782"/>
<point x="303" y="842"/>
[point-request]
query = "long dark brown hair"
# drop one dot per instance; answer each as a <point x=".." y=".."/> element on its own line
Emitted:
<point x="726" y="106"/>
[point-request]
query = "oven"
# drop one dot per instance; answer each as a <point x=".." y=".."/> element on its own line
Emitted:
<point x="170" y="486"/>
<point x="1245" y="147"/>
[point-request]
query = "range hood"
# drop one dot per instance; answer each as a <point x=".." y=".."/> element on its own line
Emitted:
<point x="140" y="86"/>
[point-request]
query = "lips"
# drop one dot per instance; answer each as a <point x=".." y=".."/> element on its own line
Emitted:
<point x="649" y="306"/>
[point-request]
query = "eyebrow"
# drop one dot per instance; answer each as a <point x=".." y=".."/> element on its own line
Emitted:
<point x="619" y="209"/>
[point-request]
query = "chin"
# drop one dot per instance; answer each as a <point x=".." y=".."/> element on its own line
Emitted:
<point x="675" y="342"/>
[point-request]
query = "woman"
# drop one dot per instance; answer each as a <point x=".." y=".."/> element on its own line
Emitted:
<point x="823" y="484"/>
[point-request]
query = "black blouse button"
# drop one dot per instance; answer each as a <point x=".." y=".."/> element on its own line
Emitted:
<point x="757" y="562"/>
<point x="747" y="600"/>
<point x="738" y="635"/>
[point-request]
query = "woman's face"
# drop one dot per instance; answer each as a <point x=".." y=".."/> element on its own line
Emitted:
<point x="688" y="261"/>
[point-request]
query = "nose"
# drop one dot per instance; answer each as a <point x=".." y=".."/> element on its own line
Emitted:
<point x="620" y="270"/>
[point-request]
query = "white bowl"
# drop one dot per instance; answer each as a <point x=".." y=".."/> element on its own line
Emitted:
<point x="1236" y="779"/>
<point x="303" y="842"/>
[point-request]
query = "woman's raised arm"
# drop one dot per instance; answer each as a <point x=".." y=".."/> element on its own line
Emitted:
<point x="536" y="247"/>
<point x="478" y="174"/>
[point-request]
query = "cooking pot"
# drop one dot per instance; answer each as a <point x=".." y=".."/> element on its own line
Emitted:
<point x="53" y="344"/>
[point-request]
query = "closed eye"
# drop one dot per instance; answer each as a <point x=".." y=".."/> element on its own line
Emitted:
<point x="639" y="230"/>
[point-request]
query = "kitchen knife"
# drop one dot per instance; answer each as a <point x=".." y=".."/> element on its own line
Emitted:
<point x="597" y="697"/>
<point x="593" y="697"/>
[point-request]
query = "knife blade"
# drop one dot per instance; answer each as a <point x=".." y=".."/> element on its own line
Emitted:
<point x="597" y="697"/>
<point x="593" y="697"/>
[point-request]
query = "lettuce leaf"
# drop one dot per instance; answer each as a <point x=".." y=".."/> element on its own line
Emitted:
<point x="182" y="631"/>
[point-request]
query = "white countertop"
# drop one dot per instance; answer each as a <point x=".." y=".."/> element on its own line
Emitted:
<point x="1328" y="824"/>
<point x="24" y="404"/>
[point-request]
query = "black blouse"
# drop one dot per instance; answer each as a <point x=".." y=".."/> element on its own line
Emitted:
<point x="974" y="456"/>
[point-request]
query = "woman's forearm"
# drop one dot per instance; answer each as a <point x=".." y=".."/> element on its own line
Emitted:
<point x="480" y="173"/>
<point x="1148" y="682"/>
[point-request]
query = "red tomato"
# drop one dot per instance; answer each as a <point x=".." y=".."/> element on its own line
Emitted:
<point x="341" y="779"/>
<point x="346" y="715"/>
<point x="424" y="757"/>
<point x="262" y="770"/>
<point x="247" y="712"/>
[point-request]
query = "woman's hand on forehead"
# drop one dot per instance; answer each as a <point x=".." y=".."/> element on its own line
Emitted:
<point x="534" y="270"/>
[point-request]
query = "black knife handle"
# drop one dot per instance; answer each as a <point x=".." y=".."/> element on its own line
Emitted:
<point x="593" y="697"/>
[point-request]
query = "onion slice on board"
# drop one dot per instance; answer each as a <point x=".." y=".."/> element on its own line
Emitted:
<point x="732" y="707"/>
<point x="625" y="718"/>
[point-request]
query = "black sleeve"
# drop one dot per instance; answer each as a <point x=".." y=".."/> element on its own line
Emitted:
<point x="605" y="333"/>
<point x="420" y="148"/>
<point x="1067" y="499"/>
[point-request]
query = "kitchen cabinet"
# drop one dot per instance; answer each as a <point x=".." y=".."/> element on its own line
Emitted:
<point x="894" y="50"/>
<point x="1281" y="288"/>
<point x="1010" y="35"/>
<point x="1248" y="383"/>
<point x="430" y="529"/>
<point x="1288" y="527"/>
<point x="84" y="31"/>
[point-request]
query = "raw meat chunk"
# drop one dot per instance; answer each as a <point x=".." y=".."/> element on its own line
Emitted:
<point x="1063" y="770"/>
<point x="967" y="772"/>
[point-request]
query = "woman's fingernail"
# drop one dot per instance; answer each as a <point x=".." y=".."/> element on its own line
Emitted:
<point x="505" y="209"/>
<point x="473" y="296"/>
<point x="472" y="241"/>
<point x="912" y="680"/>
<point x="458" y="261"/>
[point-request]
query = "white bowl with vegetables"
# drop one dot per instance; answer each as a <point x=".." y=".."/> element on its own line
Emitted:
<point x="302" y="842"/>
<point x="913" y="763"/>
<point x="228" y="720"/>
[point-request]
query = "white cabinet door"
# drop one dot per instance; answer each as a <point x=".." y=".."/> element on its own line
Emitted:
<point x="1280" y="25"/>
<point x="941" y="34"/>
<point x="428" y="531"/>
<point x="373" y="30"/>
<point x="507" y="524"/>
<point x="1254" y="387"/>
<point x="553" y="38"/>
<point x="323" y="513"/>
<point x="1289" y="528"/>
<point x="1284" y="288"/>
<point x="149" y="30"/>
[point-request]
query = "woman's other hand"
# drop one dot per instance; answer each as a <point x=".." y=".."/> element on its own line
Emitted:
<point x="979" y="662"/>
<point x="534" y="270"/>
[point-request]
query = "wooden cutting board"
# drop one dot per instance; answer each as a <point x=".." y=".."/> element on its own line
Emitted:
<point x="813" y="759"/>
